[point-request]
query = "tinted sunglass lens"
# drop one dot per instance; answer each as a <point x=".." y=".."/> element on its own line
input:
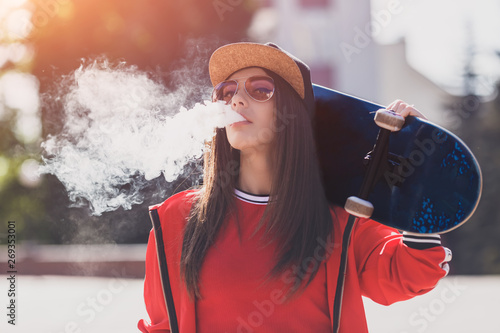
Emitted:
<point x="224" y="91"/>
<point x="260" y="88"/>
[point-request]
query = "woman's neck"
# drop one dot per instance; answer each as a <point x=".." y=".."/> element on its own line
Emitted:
<point x="255" y="172"/>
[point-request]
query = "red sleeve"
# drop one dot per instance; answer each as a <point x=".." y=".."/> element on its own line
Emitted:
<point x="153" y="293"/>
<point x="389" y="271"/>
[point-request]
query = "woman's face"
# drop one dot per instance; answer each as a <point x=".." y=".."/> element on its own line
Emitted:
<point x="257" y="132"/>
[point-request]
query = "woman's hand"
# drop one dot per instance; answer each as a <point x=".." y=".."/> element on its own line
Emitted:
<point x="404" y="109"/>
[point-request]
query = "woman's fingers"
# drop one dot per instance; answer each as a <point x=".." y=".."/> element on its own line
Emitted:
<point x="404" y="109"/>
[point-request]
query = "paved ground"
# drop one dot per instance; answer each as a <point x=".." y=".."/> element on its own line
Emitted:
<point x="458" y="305"/>
<point x="58" y="304"/>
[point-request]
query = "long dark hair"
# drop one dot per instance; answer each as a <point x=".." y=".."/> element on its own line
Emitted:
<point x="297" y="214"/>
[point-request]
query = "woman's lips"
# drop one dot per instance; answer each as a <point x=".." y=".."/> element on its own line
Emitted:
<point x="241" y="123"/>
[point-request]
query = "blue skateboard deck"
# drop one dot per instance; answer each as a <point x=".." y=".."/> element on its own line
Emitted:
<point x="431" y="182"/>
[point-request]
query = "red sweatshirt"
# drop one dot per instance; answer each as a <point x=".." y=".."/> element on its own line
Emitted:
<point x="238" y="297"/>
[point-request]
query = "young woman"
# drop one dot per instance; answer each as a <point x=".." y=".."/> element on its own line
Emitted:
<point x="257" y="247"/>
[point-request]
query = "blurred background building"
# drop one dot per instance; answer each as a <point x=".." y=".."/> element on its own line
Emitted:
<point x="441" y="56"/>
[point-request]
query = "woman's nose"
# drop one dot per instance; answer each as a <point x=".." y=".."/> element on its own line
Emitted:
<point x="239" y="100"/>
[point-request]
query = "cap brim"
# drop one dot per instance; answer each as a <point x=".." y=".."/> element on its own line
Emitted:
<point x="232" y="57"/>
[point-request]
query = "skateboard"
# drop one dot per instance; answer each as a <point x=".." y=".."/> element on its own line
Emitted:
<point x="429" y="180"/>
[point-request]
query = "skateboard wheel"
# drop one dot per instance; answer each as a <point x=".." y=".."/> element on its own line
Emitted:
<point x="358" y="207"/>
<point x="389" y="120"/>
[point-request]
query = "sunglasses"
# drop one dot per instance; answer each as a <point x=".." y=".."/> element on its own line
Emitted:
<point x="260" y="88"/>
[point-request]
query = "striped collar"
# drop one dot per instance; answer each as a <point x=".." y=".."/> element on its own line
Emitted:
<point x="251" y="198"/>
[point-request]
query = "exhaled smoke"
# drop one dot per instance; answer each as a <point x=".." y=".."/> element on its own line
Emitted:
<point x="121" y="126"/>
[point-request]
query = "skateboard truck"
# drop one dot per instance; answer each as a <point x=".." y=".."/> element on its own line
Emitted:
<point x="388" y="121"/>
<point x="359" y="206"/>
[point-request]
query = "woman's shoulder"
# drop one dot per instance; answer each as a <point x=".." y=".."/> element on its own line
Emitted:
<point x="178" y="204"/>
<point x="339" y="215"/>
<point x="363" y="225"/>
